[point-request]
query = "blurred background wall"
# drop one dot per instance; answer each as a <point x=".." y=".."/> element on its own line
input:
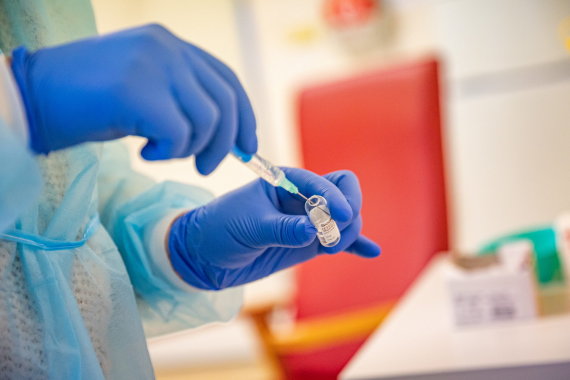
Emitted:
<point x="506" y="88"/>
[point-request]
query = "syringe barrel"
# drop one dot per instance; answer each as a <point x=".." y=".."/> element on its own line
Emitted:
<point x="261" y="167"/>
<point x="266" y="170"/>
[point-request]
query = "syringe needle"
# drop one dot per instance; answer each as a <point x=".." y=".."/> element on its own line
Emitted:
<point x="266" y="170"/>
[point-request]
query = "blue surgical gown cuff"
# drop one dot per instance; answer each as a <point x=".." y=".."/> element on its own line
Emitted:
<point x="165" y="301"/>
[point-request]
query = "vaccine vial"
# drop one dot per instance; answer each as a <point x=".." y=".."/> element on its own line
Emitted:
<point x="320" y="215"/>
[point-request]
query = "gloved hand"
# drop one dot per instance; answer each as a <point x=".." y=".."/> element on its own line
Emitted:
<point x="142" y="81"/>
<point x="259" y="229"/>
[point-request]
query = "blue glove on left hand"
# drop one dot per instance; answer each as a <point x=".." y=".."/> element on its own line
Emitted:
<point x="259" y="229"/>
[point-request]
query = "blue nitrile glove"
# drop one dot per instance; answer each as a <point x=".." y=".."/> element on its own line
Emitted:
<point x="259" y="229"/>
<point x="143" y="81"/>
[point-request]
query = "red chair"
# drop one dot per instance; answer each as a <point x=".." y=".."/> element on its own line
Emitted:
<point x="386" y="127"/>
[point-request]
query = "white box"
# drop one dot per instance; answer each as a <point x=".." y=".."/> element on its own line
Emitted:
<point x="500" y="292"/>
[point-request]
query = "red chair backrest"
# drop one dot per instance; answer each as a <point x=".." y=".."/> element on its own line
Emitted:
<point x="386" y="127"/>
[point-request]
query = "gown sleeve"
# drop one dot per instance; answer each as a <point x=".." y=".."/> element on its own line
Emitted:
<point x="138" y="213"/>
<point x="20" y="178"/>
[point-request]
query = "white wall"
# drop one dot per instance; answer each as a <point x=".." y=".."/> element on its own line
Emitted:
<point x="508" y="91"/>
<point x="296" y="47"/>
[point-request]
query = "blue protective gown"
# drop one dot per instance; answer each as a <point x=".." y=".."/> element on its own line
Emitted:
<point x="76" y="274"/>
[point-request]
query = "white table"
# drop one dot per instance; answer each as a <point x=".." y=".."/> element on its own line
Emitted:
<point x="420" y="341"/>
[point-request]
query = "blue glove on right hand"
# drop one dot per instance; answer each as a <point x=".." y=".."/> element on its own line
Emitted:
<point x="142" y="81"/>
<point x="259" y="229"/>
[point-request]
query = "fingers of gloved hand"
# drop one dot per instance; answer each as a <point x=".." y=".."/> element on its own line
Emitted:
<point x="199" y="108"/>
<point x="167" y="131"/>
<point x="348" y="235"/>
<point x="347" y="182"/>
<point x="283" y="231"/>
<point x="279" y="258"/>
<point x="225" y="135"/>
<point x="310" y="184"/>
<point x="364" y="247"/>
<point x="246" y="138"/>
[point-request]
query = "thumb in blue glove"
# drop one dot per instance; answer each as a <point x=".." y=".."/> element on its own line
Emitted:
<point x="259" y="229"/>
<point x="143" y="81"/>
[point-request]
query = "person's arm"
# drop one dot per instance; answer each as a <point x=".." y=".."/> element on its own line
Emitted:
<point x="20" y="180"/>
<point x="137" y="213"/>
<point x="143" y="81"/>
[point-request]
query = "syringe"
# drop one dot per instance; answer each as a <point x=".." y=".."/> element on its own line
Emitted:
<point x="316" y="206"/>
<point x="267" y="171"/>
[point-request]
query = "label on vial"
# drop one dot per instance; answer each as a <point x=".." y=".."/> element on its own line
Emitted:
<point x="328" y="230"/>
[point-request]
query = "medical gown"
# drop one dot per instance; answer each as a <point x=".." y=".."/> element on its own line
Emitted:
<point x="79" y="267"/>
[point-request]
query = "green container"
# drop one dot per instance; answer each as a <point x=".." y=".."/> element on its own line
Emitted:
<point x="547" y="263"/>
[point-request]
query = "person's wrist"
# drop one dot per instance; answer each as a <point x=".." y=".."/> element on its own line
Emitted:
<point x="19" y="64"/>
<point x="177" y="244"/>
<point x="184" y="256"/>
<point x="167" y="239"/>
